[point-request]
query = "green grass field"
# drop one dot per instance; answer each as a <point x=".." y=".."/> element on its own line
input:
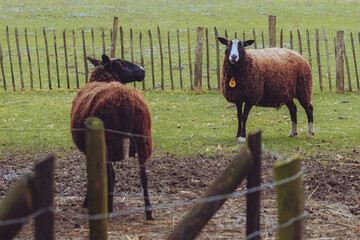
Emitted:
<point x="184" y="122"/>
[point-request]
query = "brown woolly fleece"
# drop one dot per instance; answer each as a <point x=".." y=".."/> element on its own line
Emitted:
<point x="121" y="108"/>
<point x="268" y="78"/>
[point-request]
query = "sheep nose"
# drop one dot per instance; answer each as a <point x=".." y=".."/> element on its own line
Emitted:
<point x="233" y="56"/>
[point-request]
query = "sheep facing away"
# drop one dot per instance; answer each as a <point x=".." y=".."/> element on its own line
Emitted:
<point x="268" y="78"/>
<point x="122" y="109"/>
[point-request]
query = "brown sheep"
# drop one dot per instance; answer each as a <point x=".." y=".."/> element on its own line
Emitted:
<point x="122" y="109"/>
<point x="268" y="78"/>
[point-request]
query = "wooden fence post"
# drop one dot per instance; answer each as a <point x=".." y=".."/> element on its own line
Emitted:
<point x="300" y="43"/>
<point x="11" y="65"/>
<point x="141" y="56"/>
<point x="222" y="187"/>
<point x="318" y="59"/>
<point x="56" y="60"/>
<point x="17" y="204"/>
<point x="290" y="200"/>
<point x="281" y="39"/>
<point x="327" y="58"/>
<point x="272" y="31"/>
<point x="152" y="59"/>
<point x="170" y="63"/>
<point x="355" y="64"/>
<point x="217" y="57"/>
<point x="254" y="180"/>
<point x="19" y="58"/>
<point x="38" y="58"/>
<point x="179" y="55"/>
<point x="189" y="56"/>
<point x="207" y="58"/>
<point x="347" y="68"/>
<point x="44" y="198"/>
<point x="47" y="58"/>
<point x="75" y="60"/>
<point x="85" y="57"/>
<point x="309" y="48"/>
<point x="340" y="46"/>
<point x="291" y="40"/>
<point x="29" y="60"/>
<point x="122" y="43"/>
<point x="114" y="36"/>
<point x="96" y="176"/>
<point x="198" y="58"/>
<point x="254" y="38"/>
<point x="161" y="59"/>
<point x="66" y="60"/>
<point x="2" y="67"/>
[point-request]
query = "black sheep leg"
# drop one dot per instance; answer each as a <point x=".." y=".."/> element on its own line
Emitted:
<point x="111" y="185"/>
<point x="245" y="115"/>
<point x="144" y="183"/>
<point x="309" y="114"/>
<point x="293" y="114"/>
<point x="239" y="114"/>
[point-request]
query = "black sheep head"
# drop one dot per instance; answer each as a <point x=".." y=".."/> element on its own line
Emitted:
<point x="121" y="70"/>
<point x="235" y="49"/>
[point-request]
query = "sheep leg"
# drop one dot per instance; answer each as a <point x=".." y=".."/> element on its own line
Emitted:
<point x="293" y="111"/>
<point x="111" y="185"/>
<point x="309" y="113"/>
<point x="247" y="109"/>
<point x="126" y="148"/>
<point x="239" y="114"/>
<point x="144" y="183"/>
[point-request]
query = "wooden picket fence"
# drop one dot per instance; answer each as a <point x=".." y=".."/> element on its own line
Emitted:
<point x="62" y="63"/>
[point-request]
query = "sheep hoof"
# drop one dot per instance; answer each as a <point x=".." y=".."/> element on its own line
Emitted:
<point x="310" y="135"/>
<point x="293" y="134"/>
<point x="241" y="140"/>
<point x="149" y="215"/>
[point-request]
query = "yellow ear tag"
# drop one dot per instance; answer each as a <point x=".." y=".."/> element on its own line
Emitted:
<point x="232" y="82"/>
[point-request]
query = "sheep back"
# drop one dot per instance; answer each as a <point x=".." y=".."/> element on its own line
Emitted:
<point x="268" y="78"/>
<point x="121" y="108"/>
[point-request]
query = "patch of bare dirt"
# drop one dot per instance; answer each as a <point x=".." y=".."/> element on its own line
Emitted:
<point x="331" y="183"/>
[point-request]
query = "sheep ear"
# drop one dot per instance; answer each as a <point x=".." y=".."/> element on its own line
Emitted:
<point x="94" y="61"/>
<point x="223" y="41"/>
<point x="248" y="43"/>
<point x="105" y="60"/>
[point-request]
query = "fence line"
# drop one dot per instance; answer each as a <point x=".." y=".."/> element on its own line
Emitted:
<point x="60" y="56"/>
<point x="167" y="206"/>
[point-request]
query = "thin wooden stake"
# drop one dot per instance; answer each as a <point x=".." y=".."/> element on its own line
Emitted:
<point x="114" y="36"/>
<point x="141" y="56"/>
<point x="66" y="61"/>
<point x="347" y="69"/>
<point x="85" y="57"/>
<point x="161" y="59"/>
<point x="93" y="41"/>
<point x="318" y="59"/>
<point x="198" y="59"/>
<point x="19" y="58"/>
<point x="29" y="60"/>
<point x="254" y="38"/>
<point x="47" y="58"/>
<point x="309" y="48"/>
<point x="179" y="56"/>
<point x="355" y="64"/>
<point x="56" y="60"/>
<point x="170" y="64"/>
<point x="207" y="58"/>
<point x="291" y="40"/>
<point x="37" y="58"/>
<point x="103" y="40"/>
<point x="11" y="65"/>
<point x="122" y="43"/>
<point x="300" y="43"/>
<point x="75" y="60"/>
<point x="217" y="57"/>
<point x="340" y="52"/>
<point x="189" y="57"/>
<point x="2" y="67"/>
<point x="327" y="58"/>
<point x="272" y="31"/>
<point x="132" y="49"/>
<point x="152" y="59"/>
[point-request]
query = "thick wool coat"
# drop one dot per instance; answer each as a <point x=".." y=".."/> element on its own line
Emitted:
<point x="268" y="78"/>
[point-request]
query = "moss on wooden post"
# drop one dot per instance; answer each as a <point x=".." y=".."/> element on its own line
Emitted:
<point x="97" y="176"/>
<point x="224" y="184"/>
<point x="290" y="200"/>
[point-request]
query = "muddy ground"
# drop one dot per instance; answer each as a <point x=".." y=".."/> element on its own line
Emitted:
<point x="331" y="183"/>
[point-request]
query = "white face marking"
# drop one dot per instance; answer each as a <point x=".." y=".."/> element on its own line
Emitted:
<point x="234" y="53"/>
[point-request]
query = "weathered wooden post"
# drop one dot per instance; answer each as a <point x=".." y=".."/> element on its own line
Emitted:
<point x="47" y="58"/>
<point x="318" y="59"/>
<point x="198" y="58"/>
<point x="189" y="57"/>
<point x="290" y="199"/>
<point x="272" y="31"/>
<point x="254" y="180"/>
<point x="114" y="36"/>
<point x="224" y="184"/>
<point x="2" y="67"/>
<point x="96" y="176"/>
<point x="44" y="199"/>
<point x="17" y="204"/>
<point x="217" y="57"/>
<point x="340" y="49"/>
<point x="327" y="58"/>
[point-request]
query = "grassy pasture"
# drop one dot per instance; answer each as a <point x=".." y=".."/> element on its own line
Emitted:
<point x="170" y="15"/>
<point x="186" y="123"/>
